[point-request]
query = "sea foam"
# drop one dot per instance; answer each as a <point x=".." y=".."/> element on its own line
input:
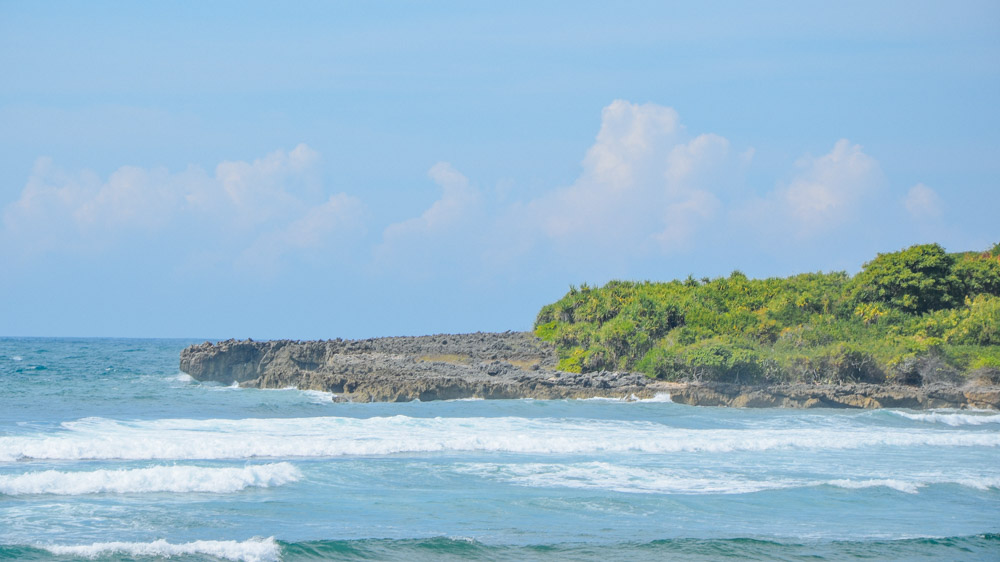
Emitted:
<point x="658" y="480"/>
<point x="253" y="550"/>
<point x="899" y="485"/>
<point x="950" y="418"/>
<point x="154" y="479"/>
<point x="618" y="478"/>
<point x="99" y="438"/>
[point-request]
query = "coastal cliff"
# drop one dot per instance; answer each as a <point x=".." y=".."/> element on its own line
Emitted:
<point x="515" y="365"/>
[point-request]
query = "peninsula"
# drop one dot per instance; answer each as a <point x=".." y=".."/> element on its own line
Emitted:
<point x="918" y="328"/>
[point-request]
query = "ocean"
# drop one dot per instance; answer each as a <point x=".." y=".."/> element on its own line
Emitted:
<point x="108" y="452"/>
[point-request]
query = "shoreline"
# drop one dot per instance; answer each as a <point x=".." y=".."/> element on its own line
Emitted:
<point x="513" y="365"/>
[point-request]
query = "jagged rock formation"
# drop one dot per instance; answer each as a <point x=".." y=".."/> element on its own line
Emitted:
<point x="507" y="365"/>
<point x="802" y="395"/>
<point x="515" y="365"/>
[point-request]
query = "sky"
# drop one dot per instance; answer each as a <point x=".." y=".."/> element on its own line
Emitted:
<point x="323" y="170"/>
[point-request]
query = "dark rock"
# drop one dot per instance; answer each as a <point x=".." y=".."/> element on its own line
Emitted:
<point x="507" y="365"/>
<point x="518" y="365"/>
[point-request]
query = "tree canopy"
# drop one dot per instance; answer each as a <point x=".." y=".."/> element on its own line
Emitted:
<point x="901" y="308"/>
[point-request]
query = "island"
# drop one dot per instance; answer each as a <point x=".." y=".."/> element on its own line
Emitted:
<point x="917" y="328"/>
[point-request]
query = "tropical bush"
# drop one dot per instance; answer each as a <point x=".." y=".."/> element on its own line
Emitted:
<point x="881" y="324"/>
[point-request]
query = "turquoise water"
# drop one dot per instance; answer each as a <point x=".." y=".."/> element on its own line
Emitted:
<point x="108" y="452"/>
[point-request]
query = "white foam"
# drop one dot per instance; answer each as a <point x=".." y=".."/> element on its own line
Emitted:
<point x="314" y="396"/>
<point x="632" y="479"/>
<point x="607" y="476"/>
<point x="952" y="419"/>
<point x="319" y="396"/>
<point x="17" y="358"/>
<point x="660" y="397"/>
<point x="182" y="377"/>
<point x="900" y="485"/>
<point x="99" y="438"/>
<point x="980" y="483"/>
<point x="253" y="550"/>
<point x="154" y="479"/>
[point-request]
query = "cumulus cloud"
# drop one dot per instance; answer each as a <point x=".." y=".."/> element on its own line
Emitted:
<point x="337" y="221"/>
<point x="271" y="205"/>
<point x="647" y="188"/>
<point x="828" y="189"/>
<point x="825" y="193"/>
<point x="645" y="183"/>
<point x="922" y="202"/>
<point x="409" y="244"/>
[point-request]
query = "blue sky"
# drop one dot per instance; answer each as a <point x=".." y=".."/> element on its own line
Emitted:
<point x="350" y="170"/>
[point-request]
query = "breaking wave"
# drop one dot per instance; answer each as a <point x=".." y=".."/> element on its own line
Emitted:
<point x="950" y="418"/>
<point x="632" y="479"/>
<point x="100" y="438"/>
<point x="253" y="550"/>
<point x="178" y="479"/>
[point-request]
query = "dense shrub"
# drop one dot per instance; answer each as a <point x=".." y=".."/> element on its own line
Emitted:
<point x="916" y="280"/>
<point x="820" y="327"/>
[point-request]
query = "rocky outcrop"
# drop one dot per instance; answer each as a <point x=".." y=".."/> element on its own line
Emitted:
<point x="838" y="396"/>
<point x="507" y="365"/>
<point x="517" y="365"/>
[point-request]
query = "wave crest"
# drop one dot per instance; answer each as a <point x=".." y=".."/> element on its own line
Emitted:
<point x="180" y="479"/>
<point x="952" y="419"/>
<point x="98" y="438"/>
<point x="253" y="550"/>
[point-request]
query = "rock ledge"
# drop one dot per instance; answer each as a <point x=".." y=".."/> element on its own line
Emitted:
<point x="514" y="365"/>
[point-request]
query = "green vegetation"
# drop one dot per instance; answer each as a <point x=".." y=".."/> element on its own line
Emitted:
<point x="914" y="316"/>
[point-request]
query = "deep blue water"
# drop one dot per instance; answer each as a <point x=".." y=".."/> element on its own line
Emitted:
<point x="108" y="452"/>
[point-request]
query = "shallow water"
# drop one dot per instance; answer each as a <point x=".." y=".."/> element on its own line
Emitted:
<point x="108" y="452"/>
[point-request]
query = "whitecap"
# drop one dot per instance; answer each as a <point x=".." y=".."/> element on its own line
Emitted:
<point x="950" y="418"/>
<point x="99" y="438"/>
<point x="253" y="550"/>
<point x="899" y="485"/>
<point x="618" y="478"/>
<point x="659" y="397"/>
<point x="980" y="483"/>
<point x="17" y="358"/>
<point x="658" y="480"/>
<point x="179" y="479"/>
<point x="314" y="396"/>
<point x="318" y="396"/>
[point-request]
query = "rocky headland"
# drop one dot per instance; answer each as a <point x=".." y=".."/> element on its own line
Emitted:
<point x="516" y="365"/>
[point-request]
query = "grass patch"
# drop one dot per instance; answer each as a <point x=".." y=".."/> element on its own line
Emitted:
<point x="453" y="358"/>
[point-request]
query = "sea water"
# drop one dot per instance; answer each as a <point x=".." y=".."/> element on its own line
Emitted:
<point x="108" y="452"/>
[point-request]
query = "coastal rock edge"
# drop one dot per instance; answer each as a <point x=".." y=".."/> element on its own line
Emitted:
<point x="514" y="365"/>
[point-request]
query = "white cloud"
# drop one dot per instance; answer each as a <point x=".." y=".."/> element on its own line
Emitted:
<point x="647" y="187"/>
<point x="645" y="184"/>
<point x="824" y="194"/>
<point x="922" y="202"/>
<point x="267" y="187"/>
<point x="828" y="190"/>
<point x="630" y="134"/>
<point x="456" y="205"/>
<point x="279" y="195"/>
<point x="409" y="244"/>
<point x="333" y="222"/>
